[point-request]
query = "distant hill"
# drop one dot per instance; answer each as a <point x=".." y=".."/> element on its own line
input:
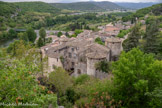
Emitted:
<point x="87" y="6"/>
<point x="107" y="5"/>
<point x="6" y="9"/>
<point x="155" y="10"/>
<point x="135" y="5"/>
<point x="37" y="7"/>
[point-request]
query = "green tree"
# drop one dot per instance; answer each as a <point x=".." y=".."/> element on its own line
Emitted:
<point x="12" y="34"/>
<point x="99" y="41"/>
<point x="77" y="31"/>
<point x="23" y="36"/>
<point x="67" y="34"/>
<point x="31" y="35"/>
<point x="135" y="74"/>
<point x="152" y="44"/>
<point x="40" y="42"/>
<point x="60" y="79"/>
<point x="59" y="34"/>
<point x="103" y="66"/>
<point x="156" y="97"/>
<point x="42" y="33"/>
<point x="133" y="39"/>
<point x="18" y="80"/>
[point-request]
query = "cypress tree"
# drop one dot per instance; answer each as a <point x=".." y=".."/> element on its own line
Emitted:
<point x="151" y="36"/>
<point x="133" y="39"/>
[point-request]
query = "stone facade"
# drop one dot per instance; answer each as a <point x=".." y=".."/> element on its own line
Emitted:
<point x="115" y="44"/>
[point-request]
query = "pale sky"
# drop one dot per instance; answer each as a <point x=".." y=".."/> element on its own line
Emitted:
<point x="66" y="1"/>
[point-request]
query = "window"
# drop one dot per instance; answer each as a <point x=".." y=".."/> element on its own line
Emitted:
<point x="72" y="63"/>
<point x="69" y="55"/>
<point x="72" y="49"/>
<point x="75" y="55"/>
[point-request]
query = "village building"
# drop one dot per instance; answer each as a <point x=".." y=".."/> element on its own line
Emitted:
<point x="111" y="30"/>
<point x="79" y="56"/>
<point x="115" y="44"/>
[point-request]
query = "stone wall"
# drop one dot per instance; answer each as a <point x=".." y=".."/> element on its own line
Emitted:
<point x="91" y="66"/>
<point x="53" y="62"/>
<point x="80" y="68"/>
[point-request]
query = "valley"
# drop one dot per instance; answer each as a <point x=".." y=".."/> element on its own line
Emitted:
<point x="81" y="54"/>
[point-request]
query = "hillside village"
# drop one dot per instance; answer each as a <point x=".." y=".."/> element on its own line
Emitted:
<point x="79" y="55"/>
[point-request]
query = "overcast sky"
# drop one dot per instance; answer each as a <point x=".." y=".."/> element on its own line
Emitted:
<point x="66" y="1"/>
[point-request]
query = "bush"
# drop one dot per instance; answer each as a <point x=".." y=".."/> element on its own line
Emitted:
<point x="77" y="31"/>
<point x="99" y="41"/>
<point x="103" y="66"/>
<point x="59" y="34"/>
<point x="123" y="33"/>
<point x="82" y="79"/>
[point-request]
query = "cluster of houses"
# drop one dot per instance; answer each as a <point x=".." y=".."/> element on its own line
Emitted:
<point x="79" y="55"/>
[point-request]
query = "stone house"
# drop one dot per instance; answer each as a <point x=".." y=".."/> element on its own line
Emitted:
<point x="111" y="30"/>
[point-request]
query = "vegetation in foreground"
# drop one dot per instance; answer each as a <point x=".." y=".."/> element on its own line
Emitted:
<point x="136" y="82"/>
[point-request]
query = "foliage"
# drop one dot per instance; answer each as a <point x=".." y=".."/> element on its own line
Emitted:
<point x="40" y="42"/>
<point x="81" y="79"/>
<point x="42" y="33"/>
<point x="156" y="97"/>
<point x="31" y="35"/>
<point x="37" y="7"/>
<point x="135" y="74"/>
<point x="103" y="66"/>
<point x="87" y="6"/>
<point x="123" y="33"/>
<point x="99" y="41"/>
<point x="23" y="36"/>
<point x="59" y="34"/>
<point x="18" y="79"/>
<point x="11" y="34"/>
<point x="133" y="39"/>
<point x="60" y="79"/>
<point x="6" y="9"/>
<point x="77" y="32"/>
<point x="152" y="37"/>
<point x="155" y="9"/>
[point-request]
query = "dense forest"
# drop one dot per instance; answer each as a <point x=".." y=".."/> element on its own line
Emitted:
<point x="37" y="7"/>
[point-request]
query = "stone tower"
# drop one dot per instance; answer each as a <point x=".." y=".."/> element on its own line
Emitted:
<point x="115" y="45"/>
<point x="92" y="59"/>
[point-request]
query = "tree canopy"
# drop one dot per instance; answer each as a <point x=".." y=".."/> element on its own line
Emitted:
<point x="136" y="74"/>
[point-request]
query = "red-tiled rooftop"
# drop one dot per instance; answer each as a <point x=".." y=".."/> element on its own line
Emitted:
<point x="111" y="28"/>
